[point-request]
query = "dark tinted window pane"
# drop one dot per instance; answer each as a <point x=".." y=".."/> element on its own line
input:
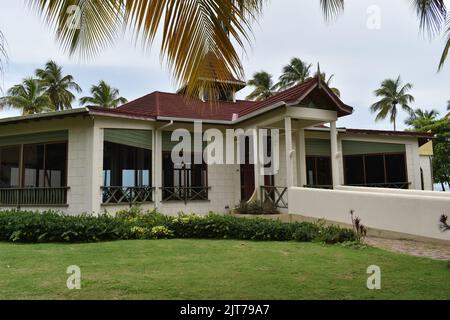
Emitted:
<point x="55" y="165"/>
<point x="9" y="167"/>
<point x="354" y="170"/>
<point x="126" y="166"/>
<point x="375" y="169"/>
<point x="396" y="168"/>
<point x="324" y="171"/>
<point x="311" y="171"/>
<point x="33" y="162"/>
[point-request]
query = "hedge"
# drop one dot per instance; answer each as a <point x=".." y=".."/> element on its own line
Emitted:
<point x="33" y="227"/>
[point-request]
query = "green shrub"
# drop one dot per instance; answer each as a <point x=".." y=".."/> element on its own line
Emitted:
<point x="257" y="208"/>
<point x="334" y="234"/>
<point x="135" y="224"/>
<point x="161" y="232"/>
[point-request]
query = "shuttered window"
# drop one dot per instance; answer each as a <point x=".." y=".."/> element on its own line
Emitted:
<point x="133" y="138"/>
<point x="39" y="137"/>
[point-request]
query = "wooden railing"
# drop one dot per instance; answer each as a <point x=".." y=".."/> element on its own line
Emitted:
<point x="185" y="194"/>
<point x="127" y="195"/>
<point x="277" y="196"/>
<point x="389" y="185"/>
<point x="33" y="196"/>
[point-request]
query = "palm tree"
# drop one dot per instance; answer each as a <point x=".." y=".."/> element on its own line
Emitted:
<point x="264" y="87"/>
<point x="421" y="118"/>
<point x="103" y="95"/>
<point x="190" y="29"/>
<point x="448" y="105"/>
<point x="297" y="71"/>
<point x="29" y="96"/>
<point x="57" y="85"/>
<point x="392" y="94"/>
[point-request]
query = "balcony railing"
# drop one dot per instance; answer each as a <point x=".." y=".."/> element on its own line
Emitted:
<point x="127" y="195"/>
<point x="277" y="196"/>
<point x="185" y="194"/>
<point x="18" y="197"/>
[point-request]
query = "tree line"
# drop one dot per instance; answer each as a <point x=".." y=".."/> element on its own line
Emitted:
<point x="52" y="90"/>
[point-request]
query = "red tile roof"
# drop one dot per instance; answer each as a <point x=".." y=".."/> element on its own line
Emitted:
<point x="171" y="105"/>
<point x="425" y="135"/>
<point x="162" y="104"/>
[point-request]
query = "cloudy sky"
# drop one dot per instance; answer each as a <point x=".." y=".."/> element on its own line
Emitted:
<point x="359" y="56"/>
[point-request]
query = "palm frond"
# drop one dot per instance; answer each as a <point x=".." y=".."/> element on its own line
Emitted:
<point x="431" y="13"/>
<point x="190" y="29"/>
<point x="332" y="8"/>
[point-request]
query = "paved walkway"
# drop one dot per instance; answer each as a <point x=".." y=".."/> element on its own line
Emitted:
<point x="414" y="248"/>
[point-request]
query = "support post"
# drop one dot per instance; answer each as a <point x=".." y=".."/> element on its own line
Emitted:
<point x="289" y="167"/>
<point x="334" y="154"/>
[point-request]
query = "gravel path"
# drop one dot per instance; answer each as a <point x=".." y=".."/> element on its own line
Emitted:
<point x="414" y="248"/>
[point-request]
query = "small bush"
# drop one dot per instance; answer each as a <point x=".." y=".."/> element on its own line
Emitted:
<point x="161" y="232"/>
<point x="257" y="208"/>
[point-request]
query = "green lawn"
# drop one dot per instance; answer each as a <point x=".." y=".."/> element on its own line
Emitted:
<point x="202" y="269"/>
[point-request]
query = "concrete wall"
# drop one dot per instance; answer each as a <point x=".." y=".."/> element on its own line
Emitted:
<point x="411" y="214"/>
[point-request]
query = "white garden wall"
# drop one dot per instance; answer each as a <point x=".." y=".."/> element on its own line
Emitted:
<point x="411" y="214"/>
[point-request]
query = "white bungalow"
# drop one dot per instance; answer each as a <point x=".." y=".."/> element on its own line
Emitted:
<point x="97" y="159"/>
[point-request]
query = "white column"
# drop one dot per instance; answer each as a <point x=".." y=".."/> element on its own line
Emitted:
<point x="334" y="154"/>
<point x="289" y="167"/>
<point x="94" y="169"/>
<point x="157" y="167"/>
<point x="301" y="160"/>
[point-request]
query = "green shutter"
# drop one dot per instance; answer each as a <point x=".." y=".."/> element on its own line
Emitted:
<point x="361" y="147"/>
<point x="134" y="138"/>
<point x="318" y="147"/>
<point x="38" y="137"/>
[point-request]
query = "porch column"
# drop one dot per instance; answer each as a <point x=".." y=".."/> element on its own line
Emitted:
<point x="301" y="158"/>
<point x="334" y="154"/>
<point x="157" y="167"/>
<point x="289" y="167"/>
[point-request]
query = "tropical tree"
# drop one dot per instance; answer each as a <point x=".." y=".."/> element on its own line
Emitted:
<point x="297" y="71"/>
<point x="263" y="86"/>
<point x="421" y="118"/>
<point x="190" y="29"/>
<point x="103" y="95"/>
<point x="392" y="94"/>
<point x="59" y="87"/>
<point x="448" y="105"/>
<point x="29" y="96"/>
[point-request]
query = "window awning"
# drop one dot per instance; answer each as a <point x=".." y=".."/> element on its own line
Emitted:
<point x="38" y="137"/>
<point x="134" y="138"/>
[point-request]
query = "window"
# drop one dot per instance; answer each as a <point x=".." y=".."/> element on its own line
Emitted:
<point x="184" y="181"/>
<point x="43" y="166"/>
<point x="9" y="167"/>
<point x="384" y="170"/>
<point x="126" y="166"/>
<point x="318" y="171"/>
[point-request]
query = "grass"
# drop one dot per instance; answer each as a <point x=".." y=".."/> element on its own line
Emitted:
<point x="202" y="269"/>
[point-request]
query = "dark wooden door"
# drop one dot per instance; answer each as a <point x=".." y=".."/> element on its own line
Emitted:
<point x="247" y="175"/>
